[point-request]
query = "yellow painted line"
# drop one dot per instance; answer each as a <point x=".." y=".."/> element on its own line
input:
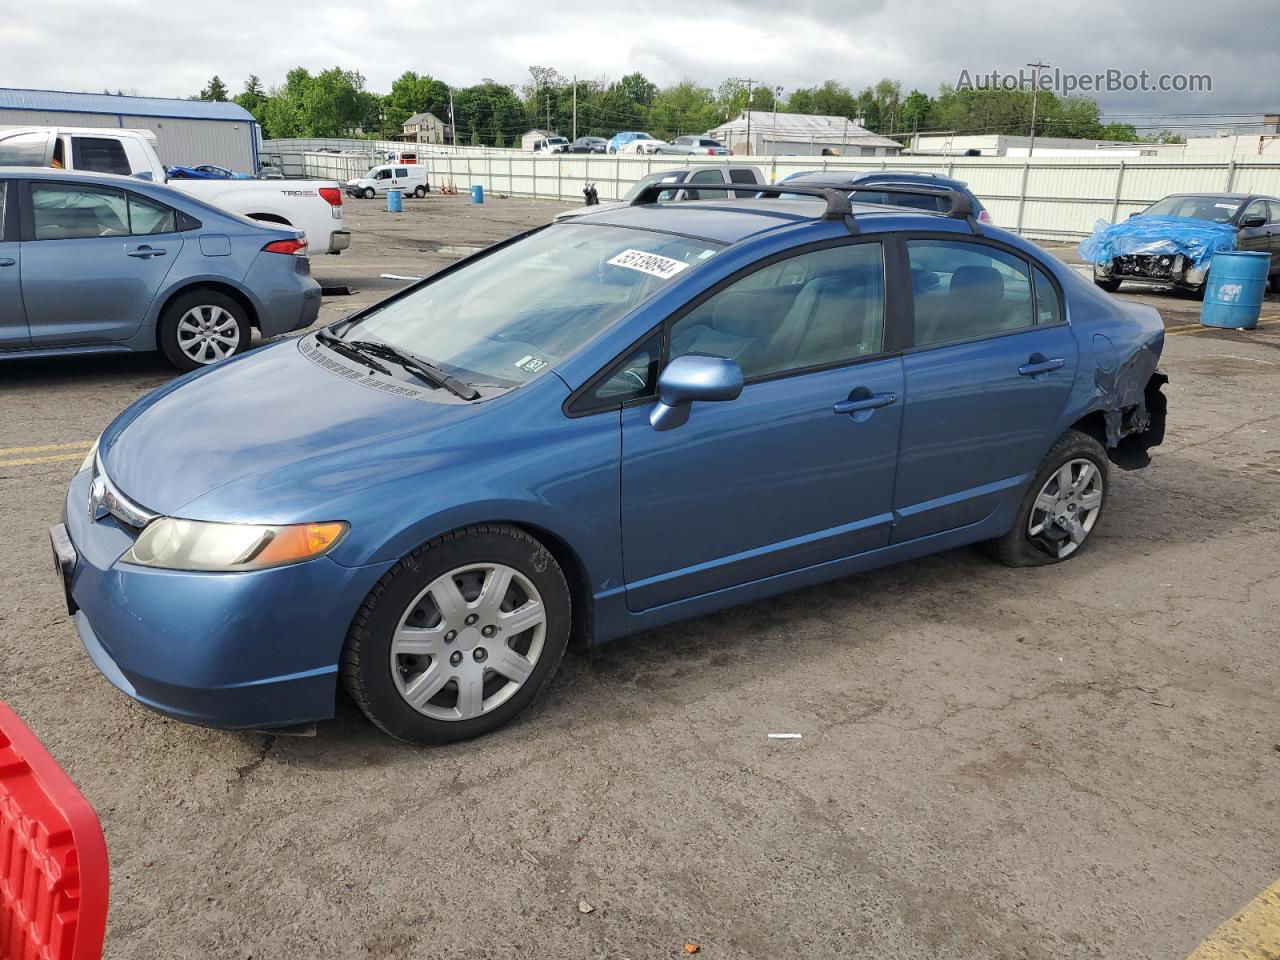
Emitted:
<point x="1182" y="331"/>
<point x="43" y="448"/>
<point x="55" y="458"/>
<point x="1252" y="934"/>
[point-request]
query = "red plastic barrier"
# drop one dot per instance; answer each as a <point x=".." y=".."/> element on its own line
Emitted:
<point x="53" y="857"/>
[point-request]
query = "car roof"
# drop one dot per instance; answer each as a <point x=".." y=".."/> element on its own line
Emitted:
<point x="910" y="176"/>
<point x="729" y="221"/>
<point x="53" y="173"/>
<point x="1220" y="196"/>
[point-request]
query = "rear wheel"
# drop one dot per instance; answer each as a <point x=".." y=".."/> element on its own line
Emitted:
<point x="458" y="637"/>
<point x="1275" y="284"/>
<point x="201" y="328"/>
<point x="1111" y="285"/>
<point x="420" y="191"/>
<point x="1062" y="505"/>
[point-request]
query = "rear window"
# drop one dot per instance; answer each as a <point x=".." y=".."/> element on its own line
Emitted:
<point x="99" y="155"/>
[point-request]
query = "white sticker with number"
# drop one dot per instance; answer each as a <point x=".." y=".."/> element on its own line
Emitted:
<point x="653" y="264"/>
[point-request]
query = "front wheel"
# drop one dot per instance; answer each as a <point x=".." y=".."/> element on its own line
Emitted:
<point x="368" y="193"/>
<point x="458" y="637"/>
<point x="1062" y="505"/>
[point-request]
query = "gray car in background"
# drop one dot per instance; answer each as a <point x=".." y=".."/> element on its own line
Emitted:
<point x="95" y="263"/>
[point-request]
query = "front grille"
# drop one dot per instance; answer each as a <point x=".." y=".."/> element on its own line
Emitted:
<point x="1152" y="266"/>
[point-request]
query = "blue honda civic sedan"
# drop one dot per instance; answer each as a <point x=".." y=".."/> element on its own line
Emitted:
<point x="594" y="428"/>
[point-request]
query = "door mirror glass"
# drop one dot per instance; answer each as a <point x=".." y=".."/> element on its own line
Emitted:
<point x="1250" y="222"/>
<point x="689" y="378"/>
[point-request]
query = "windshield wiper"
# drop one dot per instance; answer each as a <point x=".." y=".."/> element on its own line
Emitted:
<point x="423" y="369"/>
<point x="338" y="345"/>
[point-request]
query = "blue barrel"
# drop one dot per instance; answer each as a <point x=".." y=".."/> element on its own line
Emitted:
<point x="1233" y="292"/>
<point x="395" y="200"/>
<point x="477" y="193"/>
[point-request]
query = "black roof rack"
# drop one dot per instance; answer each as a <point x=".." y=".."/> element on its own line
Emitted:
<point x="838" y="204"/>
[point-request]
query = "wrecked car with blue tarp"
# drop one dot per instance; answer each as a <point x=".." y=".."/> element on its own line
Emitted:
<point x="1173" y="241"/>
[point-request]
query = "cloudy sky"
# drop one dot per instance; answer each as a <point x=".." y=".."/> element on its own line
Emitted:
<point x="172" y="49"/>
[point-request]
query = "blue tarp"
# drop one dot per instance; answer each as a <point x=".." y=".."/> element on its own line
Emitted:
<point x="1197" y="240"/>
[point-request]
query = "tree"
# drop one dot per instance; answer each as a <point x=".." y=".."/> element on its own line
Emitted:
<point x="637" y="88"/>
<point x="916" y="110"/>
<point x="685" y="107"/>
<point x="831" y="99"/>
<point x="410" y="94"/>
<point x="253" y="96"/>
<point x="214" y="90"/>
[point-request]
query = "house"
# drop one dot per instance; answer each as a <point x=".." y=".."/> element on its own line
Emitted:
<point x="426" y="128"/>
<point x="187" y="132"/>
<point x="763" y="133"/>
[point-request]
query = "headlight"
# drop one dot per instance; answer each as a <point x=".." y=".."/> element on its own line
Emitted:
<point x="174" y="544"/>
<point x="90" y="456"/>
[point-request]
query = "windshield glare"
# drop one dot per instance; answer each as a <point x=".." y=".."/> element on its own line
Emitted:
<point x="506" y="316"/>
<point x="1215" y="209"/>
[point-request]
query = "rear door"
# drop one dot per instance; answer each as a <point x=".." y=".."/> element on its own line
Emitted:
<point x="87" y="275"/>
<point x="1273" y="227"/>
<point x="987" y="379"/>
<point x="13" y="317"/>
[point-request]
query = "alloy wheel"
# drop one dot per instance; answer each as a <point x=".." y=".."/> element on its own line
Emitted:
<point x="468" y="642"/>
<point x="1066" y="508"/>
<point x="208" y="334"/>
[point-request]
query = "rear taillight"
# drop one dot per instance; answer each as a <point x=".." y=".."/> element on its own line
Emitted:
<point x="710" y="152"/>
<point x="984" y="217"/>
<point x="332" y="196"/>
<point x="293" y="247"/>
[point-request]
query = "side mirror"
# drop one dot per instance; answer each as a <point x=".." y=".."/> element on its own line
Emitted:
<point x="689" y="378"/>
<point x="1250" y="222"/>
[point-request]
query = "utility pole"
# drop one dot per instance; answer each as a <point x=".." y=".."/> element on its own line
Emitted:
<point x="749" y="81"/>
<point x="453" y="136"/>
<point x="1035" y="89"/>
<point x="575" y="106"/>
<point x="548" y="111"/>
<point x="773" y="144"/>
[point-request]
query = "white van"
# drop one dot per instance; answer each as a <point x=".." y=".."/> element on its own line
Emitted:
<point x="409" y="178"/>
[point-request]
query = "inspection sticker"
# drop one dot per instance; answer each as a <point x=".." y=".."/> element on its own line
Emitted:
<point x="653" y="264"/>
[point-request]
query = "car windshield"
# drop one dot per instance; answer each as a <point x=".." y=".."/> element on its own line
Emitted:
<point x="1215" y="209"/>
<point x="642" y="136"/>
<point x="557" y="140"/>
<point x="502" y="318"/>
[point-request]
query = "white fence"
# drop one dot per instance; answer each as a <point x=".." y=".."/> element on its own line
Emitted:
<point x="1049" y="198"/>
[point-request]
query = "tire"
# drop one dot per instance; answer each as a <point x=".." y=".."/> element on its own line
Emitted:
<point x="369" y="193"/>
<point x="1111" y="285"/>
<point x="419" y="191"/>
<point x="1020" y="547"/>
<point x="1275" y="284"/>
<point x="408" y="657"/>
<point x="203" y="324"/>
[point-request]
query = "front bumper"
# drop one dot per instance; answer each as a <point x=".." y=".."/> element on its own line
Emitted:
<point x="243" y="650"/>
<point x="1152" y="271"/>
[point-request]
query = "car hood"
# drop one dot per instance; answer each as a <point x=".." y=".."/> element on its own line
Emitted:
<point x="272" y="431"/>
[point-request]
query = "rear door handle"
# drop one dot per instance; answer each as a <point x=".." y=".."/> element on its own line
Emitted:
<point x="864" y="404"/>
<point x="7" y="261"/>
<point x="146" y="252"/>
<point x="1036" y="365"/>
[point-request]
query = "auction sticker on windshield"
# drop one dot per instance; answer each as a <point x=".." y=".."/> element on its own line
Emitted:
<point x="653" y="264"/>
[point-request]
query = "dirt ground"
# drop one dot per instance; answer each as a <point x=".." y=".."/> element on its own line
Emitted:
<point x="1075" y="762"/>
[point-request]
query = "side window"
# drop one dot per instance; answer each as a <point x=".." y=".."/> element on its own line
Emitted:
<point x="815" y="309"/>
<point x="99" y="155"/>
<point x="706" y="176"/>
<point x="148" y="217"/>
<point x="63" y="212"/>
<point x="1048" y="304"/>
<point x="401" y="172"/>
<point x="964" y="290"/>
<point x="1275" y="211"/>
<point x="634" y="376"/>
<point x="1256" y="209"/>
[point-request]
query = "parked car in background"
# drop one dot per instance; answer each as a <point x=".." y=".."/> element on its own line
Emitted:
<point x="589" y="145"/>
<point x="1249" y="222"/>
<point x="620" y="140"/>
<point x="410" y="179"/>
<point x="205" y="171"/>
<point x="648" y="145"/>
<point x="597" y="428"/>
<point x="702" y="145"/>
<point x="312" y="206"/>
<point x="934" y="196"/>
<point x="699" y="173"/>
<point x="551" y="145"/>
<point x="95" y="263"/>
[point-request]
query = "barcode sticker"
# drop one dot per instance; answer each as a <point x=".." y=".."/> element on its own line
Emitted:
<point x="653" y="264"/>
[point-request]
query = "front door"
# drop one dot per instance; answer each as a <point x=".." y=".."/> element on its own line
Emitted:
<point x="13" y="318"/>
<point x="1254" y="239"/>
<point x="986" y="382"/>
<point x="86" y="276"/>
<point x="796" y="471"/>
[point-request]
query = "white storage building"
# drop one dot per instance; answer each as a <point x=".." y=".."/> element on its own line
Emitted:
<point x="769" y="134"/>
<point x="188" y="132"/>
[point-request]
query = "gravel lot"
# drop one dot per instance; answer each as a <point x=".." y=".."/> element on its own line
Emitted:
<point x="1074" y="762"/>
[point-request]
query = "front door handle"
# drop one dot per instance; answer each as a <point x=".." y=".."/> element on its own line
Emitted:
<point x="862" y="403"/>
<point x="1037" y="364"/>
<point x="7" y="261"/>
<point x="146" y="252"/>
